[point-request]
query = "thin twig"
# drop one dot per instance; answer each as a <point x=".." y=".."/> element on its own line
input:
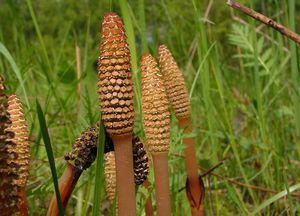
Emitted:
<point x="258" y="30"/>
<point x="266" y="20"/>
<point x="213" y="168"/>
<point x="254" y="187"/>
<point x="235" y="182"/>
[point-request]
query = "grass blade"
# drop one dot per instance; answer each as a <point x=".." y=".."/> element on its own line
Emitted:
<point x="142" y="22"/>
<point x="276" y="197"/>
<point x="128" y="22"/>
<point x="99" y="170"/>
<point x="39" y="34"/>
<point x="50" y="156"/>
<point x="199" y="69"/>
<point x="16" y="70"/>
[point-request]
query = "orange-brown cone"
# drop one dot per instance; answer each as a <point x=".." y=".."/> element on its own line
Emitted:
<point x="115" y="88"/>
<point x="156" y="119"/>
<point x="174" y="83"/>
<point x="115" y="83"/>
<point x="179" y="99"/>
<point x="14" y="156"/>
<point x="140" y="161"/>
<point x="156" y="115"/>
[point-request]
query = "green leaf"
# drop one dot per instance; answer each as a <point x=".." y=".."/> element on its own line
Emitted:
<point x="99" y="170"/>
<point x="276" y="197"/>
<point x="16" y="70"/>
<point x="48" y="146"/>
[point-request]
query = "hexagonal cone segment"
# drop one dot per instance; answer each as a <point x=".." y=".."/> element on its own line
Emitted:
<point x="174" y="83"/>
<point x="14" y="154"/>
<point x="156" y="116"/>
<point x="115" y="85"/>
<point x="197" y="208"/>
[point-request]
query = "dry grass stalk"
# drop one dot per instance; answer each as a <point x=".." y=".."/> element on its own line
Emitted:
<point x="179" y="99"/>
<point x="265" y="20"/>
<point x="14" y="155"/>
<point x="116" y="101"/>
<point x="156" y="119"/>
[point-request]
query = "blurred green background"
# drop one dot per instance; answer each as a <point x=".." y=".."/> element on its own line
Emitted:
<point x="243" y="79"/>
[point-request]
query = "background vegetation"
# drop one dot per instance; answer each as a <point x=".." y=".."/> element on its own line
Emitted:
<point x="244" y="86"/>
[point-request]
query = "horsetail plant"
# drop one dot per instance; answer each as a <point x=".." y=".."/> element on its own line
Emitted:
<point x="178" y="96"/>
<point x="156" y="120"/>
<point x="80" y="158"/>
<point x="14" y="152"/>
<point x="116" y="104"/>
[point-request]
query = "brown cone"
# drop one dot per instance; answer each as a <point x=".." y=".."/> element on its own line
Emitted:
<point x="174" y="83"/>
<point x="140" y="161"/>
<point x="84" y="150"/>
<point x="115" y="83"/>
<point x="156" y="115"/>
<point x="8" y="191"/>
<point x="179" y="98"/>
<point x="14" y="154"/>
<point x="19" y="128"/>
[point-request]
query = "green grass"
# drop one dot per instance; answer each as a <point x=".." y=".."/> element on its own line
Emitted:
<point x="47" y="141"/>
<point x="243" y="80"/>
<point x="99" y="170"/>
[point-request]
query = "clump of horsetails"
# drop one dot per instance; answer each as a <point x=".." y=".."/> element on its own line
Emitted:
<point x="126" y="163"/>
